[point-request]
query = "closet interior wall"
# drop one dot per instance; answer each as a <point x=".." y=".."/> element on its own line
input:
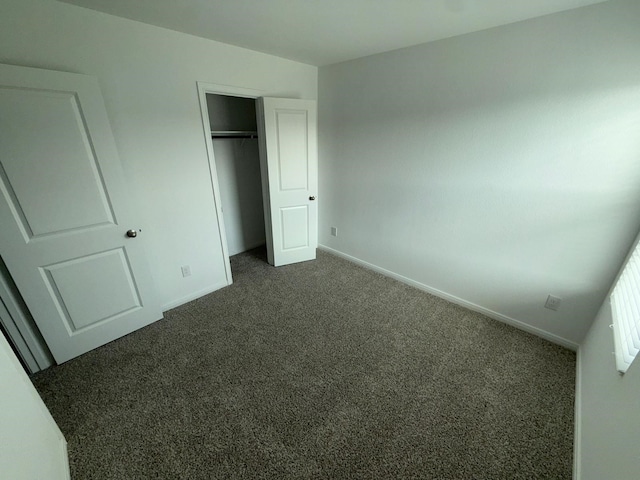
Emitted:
<point x="235" y="146"/>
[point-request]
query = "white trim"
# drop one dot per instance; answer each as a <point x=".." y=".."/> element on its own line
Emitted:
<point x="577" y="438"/>
<point x="193" y="296"/>
<point x="217" y="89"/>
<point x="458" y="301"/>
<point x="23" y="333"/>
<point x="65" y="452"/>
<point x="11" y="329"/>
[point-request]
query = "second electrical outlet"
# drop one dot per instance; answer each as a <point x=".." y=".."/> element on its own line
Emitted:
<point x="186" y="270"/>
<point x="553" y="302"/>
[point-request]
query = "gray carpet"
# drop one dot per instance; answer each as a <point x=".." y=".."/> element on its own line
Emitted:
<point x="320" y="370"/>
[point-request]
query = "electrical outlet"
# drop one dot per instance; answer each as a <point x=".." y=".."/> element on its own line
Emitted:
<point x="186" y="270"/>
<point x="553" y="303"/>
<point x="334" y="231"/>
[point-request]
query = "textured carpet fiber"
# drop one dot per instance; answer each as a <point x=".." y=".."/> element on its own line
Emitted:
<point x="317" y="370"/>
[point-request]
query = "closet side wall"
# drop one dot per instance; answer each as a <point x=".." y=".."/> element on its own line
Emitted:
<point x="231" y="113"/>
<point x="238" y="169"/>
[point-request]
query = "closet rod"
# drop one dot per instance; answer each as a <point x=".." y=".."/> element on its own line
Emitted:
<point x="233" y="134"/>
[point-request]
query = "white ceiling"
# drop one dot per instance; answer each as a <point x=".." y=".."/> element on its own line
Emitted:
<point x="321" y="32"/>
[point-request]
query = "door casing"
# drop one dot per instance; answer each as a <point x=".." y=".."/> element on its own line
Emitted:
<point x="215" y="89"/>
<point x="210" y="88"/>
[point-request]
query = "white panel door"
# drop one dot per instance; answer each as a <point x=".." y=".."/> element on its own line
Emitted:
<point x="65" y="214"/>
<point x="289" y="163"/>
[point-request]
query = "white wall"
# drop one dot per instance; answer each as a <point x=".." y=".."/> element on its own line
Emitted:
<point x="238" y="168"/>
<point x="497" y="167"/>
<point x="31" y="445"/>
<point x="608" y="406"/>
<point x="148" y="78"/>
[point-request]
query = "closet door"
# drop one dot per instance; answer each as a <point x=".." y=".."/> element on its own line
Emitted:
<point x="289" y="166"/>
<point x="68" y="236"/>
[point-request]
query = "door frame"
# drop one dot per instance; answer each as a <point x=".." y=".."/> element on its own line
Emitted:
<point x="19" y="326"/>
<point x="215" y="89"/>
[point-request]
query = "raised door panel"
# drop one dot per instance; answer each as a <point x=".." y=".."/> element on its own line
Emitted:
<point x="48" y="169"/>
<point x="80" y="294"/>
<point x="295" y="227"/>
<point x="292" y="150"/>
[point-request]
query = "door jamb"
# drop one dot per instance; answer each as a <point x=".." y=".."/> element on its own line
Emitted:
<point x="19" y="326"/>
<point x="216" y="89"/>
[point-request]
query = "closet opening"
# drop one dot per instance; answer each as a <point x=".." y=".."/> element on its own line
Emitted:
<point x="234" y="136"/>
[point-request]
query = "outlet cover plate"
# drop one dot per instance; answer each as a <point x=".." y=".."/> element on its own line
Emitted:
<point x="553" y="303"/>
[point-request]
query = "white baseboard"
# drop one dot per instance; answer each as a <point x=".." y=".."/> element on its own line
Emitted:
<point x="458" y="301"/>
<point x="577" y="422"/>
<point x="193" y="296"/>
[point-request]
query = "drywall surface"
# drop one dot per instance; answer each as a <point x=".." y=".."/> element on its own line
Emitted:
<point x="238" y="166"/>
<point x="31" y="444"/>
<point x="148" y="79"/>
<point x="497" y="167"/>
<point x="231" y="113"/>
<point x="608" y="424"/>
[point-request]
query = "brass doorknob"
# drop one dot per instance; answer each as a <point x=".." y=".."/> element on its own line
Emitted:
<point x="132" y="233"/>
